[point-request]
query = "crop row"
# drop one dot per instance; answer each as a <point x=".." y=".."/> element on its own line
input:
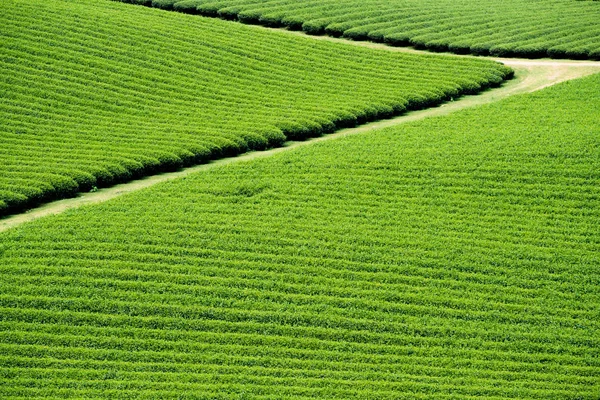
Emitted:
<point x="452" y="257"/>
<point x="95" y="93"/>
<point x="216" y="290"/>
<point x="42" y="349"/>
<point x="150" y="337"/>
<point x="513" y="28"/>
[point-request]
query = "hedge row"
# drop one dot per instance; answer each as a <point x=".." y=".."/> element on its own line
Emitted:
<point x="455" y="257"/>
<point x="95" y="93"/>
<point x="513" y="28"/>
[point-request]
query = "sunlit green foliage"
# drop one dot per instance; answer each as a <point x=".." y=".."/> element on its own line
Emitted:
<point x="96" y="92"/>
<point x="515" y="28"/>
<point x="457" y="257"/>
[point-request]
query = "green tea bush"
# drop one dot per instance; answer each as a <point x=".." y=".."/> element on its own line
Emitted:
<point x="164" y="4"/>
<point x="497" y="27"/>
<point x="100" y="92"/>
<point x="188" y="6"/>
<point x="453" y="257"/>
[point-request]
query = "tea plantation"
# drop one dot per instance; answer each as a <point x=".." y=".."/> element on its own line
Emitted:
<point x="513" y="28"/>
<point x="94" y="92"/>
<point x="456" y="257"/>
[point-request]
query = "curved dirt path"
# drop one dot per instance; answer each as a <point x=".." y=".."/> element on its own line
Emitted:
<point x="530" y="75"/>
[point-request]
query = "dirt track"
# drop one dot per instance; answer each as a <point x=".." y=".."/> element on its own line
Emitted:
<point x="530" y="75"/>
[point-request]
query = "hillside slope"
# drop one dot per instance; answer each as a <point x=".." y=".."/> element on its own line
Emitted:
<point x="96" y="92"/>
<point x="508" y="28"/>
<point x="457" y="257"/>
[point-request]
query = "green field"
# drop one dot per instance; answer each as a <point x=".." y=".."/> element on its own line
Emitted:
<point x="450" y="253"/>
<point x="97" y="92"/>
<point x="513" y="28"/>
<point x="455" y="257"/>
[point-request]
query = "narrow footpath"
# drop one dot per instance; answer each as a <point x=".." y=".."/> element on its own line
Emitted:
<point x="530" y="76"/>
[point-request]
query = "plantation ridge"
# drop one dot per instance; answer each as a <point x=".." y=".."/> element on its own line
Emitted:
<point x="508" y="28"/>
<point x="161" y="93"/>
<point x="451" y="251"/>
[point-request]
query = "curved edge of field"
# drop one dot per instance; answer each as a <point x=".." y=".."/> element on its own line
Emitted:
<point x="281" y="26"/>
<point x="167" y="170"/>
<point x="529" y="76"/>
<point x="129" y="112"/>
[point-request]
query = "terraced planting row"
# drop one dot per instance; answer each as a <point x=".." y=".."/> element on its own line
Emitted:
<point x="96" y="92"/>
<point x="508" y="28"/>
<point x="456" y="257"/>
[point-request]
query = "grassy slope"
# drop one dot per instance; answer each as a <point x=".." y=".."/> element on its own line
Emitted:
<point x="515" y="28"/>
<point x="456" y="256"/>
<point x="96" y="92"/>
